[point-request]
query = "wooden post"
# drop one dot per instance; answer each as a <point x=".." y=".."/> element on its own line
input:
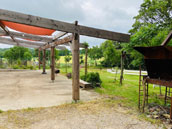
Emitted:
<point x="86" y="54"/>
<point x="144" y="95"/>
<point x="75" y="66"/>
<point x="122" y="67"/>
<point x="39" y="56"/>
<point x="44" y="61"/>
<point x="171" y="111"/>
<point x="52" y="64"/>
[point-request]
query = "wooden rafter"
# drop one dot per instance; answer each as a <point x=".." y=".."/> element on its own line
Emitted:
<point x="7" y="31"/>
<point x="59" y="35"/>
<point x="58" y="42"/>
<point x="27" y="36"/>
<point x="8" y="40"/>
<point x="61" y="26"/>
<point x="19" y="44"/>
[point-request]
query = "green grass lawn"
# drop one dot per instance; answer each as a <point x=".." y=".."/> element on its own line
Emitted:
<point x="127" y="94"/>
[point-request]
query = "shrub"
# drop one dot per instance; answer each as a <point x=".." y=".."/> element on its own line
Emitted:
<point x="16" y="67"/>
<point x="23" y="67"/>
<point x="92" y="78"/>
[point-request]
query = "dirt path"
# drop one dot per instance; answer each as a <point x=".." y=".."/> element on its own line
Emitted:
<point x="87" y="115"/>
<point x="23" y="89"/>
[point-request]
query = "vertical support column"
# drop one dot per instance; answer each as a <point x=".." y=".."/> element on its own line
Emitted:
<point x="44" y="61"/>
<point x="86" y="54"/>
<point x="171" y="111"/>
<point x="122" y="57"/>
<point x="52" y="64"/>
<point x="39" y="56"/>
<point x="75" y="66"/>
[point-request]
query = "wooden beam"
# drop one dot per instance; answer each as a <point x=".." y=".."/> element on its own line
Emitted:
<point x="27" y="36"/>
<point x="75" y="67"/>
<point x="58" y="42"/>
<point x="86" y="54"/>
<point x="22" y="45"/>
<point x="59" y="35"/>
<point x="39" y="56"/>
<point x="165" y="42"/>
<point x="61" y="26"/>
<point x="2" y="39"/>
<point x="52" y="64"/>
<point x="44" y="61"/>
<point x="61" y="47"/>
<point x="7" y="31"/>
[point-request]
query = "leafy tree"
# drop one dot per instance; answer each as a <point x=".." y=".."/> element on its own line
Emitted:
<point x="110" y="54"/>
<point x="27" y="56"/>
<point x="158" y="12"/>
<point x="67" y="58"/>
<point x="57" y="57"/>
<point x="151" y="27"/>
<point x="95" y="53"/>
<point x="15" y="53"/>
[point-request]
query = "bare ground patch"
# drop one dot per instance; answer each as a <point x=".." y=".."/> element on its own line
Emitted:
<point x="98" y="114"/>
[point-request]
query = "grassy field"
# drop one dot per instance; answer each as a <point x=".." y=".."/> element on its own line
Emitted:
<point x="127" y="94"/>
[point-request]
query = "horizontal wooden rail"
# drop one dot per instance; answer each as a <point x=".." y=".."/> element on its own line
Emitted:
<point x="61" y="26"/>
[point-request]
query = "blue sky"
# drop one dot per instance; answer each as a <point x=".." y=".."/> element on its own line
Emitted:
<point x="114" y="15"/>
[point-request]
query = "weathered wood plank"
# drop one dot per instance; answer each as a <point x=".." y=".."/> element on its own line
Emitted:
<point x="60" y="34"/>
<point x="19" y="44"/>
<point x="58" y="42"/>
<point x="44" y="61"/>
<point x="39" y="56"/>
<point x="61" y="26"/>
<point x="52" y="64"/>
<point x="75" y="67"/>
<point x="86" y="54"/>
<point x="6" y="31"/>
<point x="27" y="36"/>
<point x="2" y="39"/>
<point x="61" y="47"/>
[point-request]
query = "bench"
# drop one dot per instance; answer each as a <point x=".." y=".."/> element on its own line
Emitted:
<point x="84" y="84"/>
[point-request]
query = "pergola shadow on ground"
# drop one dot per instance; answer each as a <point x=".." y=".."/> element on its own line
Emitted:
<point x="36" y="30"/>
<point x="23" y="89"/>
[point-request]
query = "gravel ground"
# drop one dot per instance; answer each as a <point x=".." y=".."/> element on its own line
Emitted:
<point x="87" y="115"/>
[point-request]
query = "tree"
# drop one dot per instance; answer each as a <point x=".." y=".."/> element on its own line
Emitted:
<point x="151" y="27"/>
<point x="57" y="57"/>
<point x="110" y="54"/>
<point x="15" y="53"/>
<point x="95" y="53"/>
<point x="67" y="58"/>
<point x="158" y="12"/>
<point x="27" y="56"/>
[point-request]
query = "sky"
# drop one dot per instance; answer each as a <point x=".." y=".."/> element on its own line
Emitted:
<point x="113" y="15"/>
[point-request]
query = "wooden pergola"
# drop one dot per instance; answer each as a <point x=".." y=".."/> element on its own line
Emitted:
<point x="51" y="42"/>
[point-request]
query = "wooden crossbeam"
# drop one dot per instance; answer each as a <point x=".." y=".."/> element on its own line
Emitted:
<point x="165" y="42"/>
<point x="59" y="35"/>
<point x="27" y="36"/>
<point x="8" y="40"/>
<point x="7" y="31"/>
<point x="61" y="47"/>
<point x="61" y="26"/>
<point x="19" y="44"/>
<point x="58" y="42"/>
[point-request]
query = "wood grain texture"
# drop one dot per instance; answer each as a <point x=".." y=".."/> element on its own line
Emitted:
<point x="27" y="36"/>
<point x="75" y="67"/>
<point x="61" y="26"/>
<point x="52" y="64"/>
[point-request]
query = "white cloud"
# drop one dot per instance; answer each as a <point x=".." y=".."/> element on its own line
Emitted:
<point x="115" y="15"/>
